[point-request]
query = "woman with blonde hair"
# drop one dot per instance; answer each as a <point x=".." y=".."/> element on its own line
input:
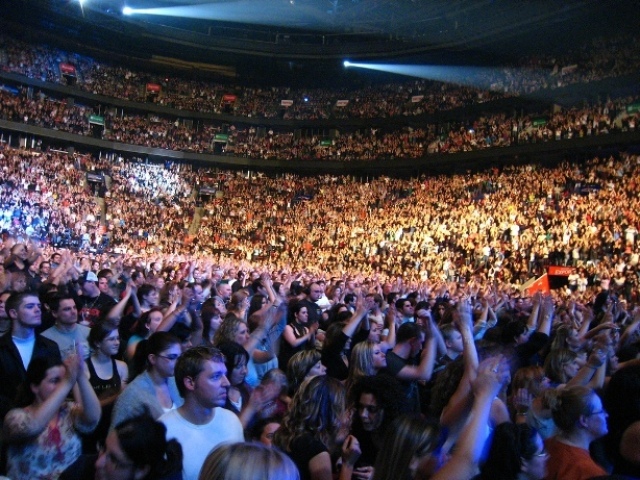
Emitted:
<point x="234" y="329"/>
<point x="528" y="403"/>
<point x="315" y="427"/>
<point x="367" y="358"/>
<point x="304" y="365"/>
<point x="561" y="366"/>
<point x="229" y="462"/>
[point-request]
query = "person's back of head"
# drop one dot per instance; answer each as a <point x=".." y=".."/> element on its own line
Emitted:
<point x="409" y="438"/>
<point x="511" y="446"/>
<point x="248" y="461"/>
<point x="408" y="331"/>
<point x="143" y="440"/>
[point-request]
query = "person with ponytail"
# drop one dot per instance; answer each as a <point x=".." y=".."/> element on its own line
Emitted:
<point x="137" y="449"/>
<point x="151" y="386"/>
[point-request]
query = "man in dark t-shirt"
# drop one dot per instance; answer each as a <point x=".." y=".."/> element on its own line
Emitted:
<point x="92" y="304"/>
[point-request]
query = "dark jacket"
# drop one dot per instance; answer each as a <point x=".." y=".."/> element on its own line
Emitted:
<point x="13" y="373"/>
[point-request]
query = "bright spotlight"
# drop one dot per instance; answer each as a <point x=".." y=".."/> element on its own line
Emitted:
<point x="346" y="63"/>
<point x="127" y="11"/>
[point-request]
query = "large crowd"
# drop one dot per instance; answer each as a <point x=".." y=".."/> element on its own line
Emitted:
<point x="602" y="58"/>
<point x="165" y="321"/>
<point x="491" y="131"/>
<point x="436" y="363"/>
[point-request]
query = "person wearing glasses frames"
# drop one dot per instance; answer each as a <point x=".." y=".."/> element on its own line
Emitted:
<point x="517" y="453"/>
<point x="152" y="387"/>
<point x="580" y="417"/>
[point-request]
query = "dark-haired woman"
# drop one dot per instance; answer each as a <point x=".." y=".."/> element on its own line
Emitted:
<point x="107" y="376"/>
<point x="137" y="449"/>
<point x="517" y="453"/>
<point x="152" y="387"/>
<point x="298" y="335"/>
<point x="43" y="434"/>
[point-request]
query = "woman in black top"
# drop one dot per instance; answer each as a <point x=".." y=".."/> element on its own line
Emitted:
<point x="107" y="376"/>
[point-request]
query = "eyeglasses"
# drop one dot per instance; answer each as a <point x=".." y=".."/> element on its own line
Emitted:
<point x="542" y="454"/>
<point x="171" y="358"/>
<point x="597" y="413"/>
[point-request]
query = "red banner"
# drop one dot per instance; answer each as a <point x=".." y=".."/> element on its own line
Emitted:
<point x="153" y="88"/>
<point x="229" y="98"/>
<point x="67" y="69"/>
<point x="560" y="271"/>
<point x="540" y="285"/>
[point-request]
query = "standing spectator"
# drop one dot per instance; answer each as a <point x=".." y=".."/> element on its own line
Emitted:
<point x="22" y="345"/>
<point x="43" y="432"/>
<point x="201" y="423"/>
<point x="94" y="305"/>
<point x="66" y="331"/>
<point x="581" y="419"/>
<point x="315" y="426"/>
<point x="412" y="360"/>
<point x="152" y="387"/>
<point x="137" y="449"/>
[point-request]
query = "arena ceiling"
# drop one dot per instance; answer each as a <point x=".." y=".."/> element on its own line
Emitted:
<point x="324" y="29"/>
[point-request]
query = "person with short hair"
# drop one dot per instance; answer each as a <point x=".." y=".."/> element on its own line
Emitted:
<point x="201" y="423"/>
<point x="66" y="331"/>
<point x="581" y="419"/>
<point x="22" y="345"/>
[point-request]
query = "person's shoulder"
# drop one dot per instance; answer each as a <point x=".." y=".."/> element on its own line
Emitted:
<point x="44" y="342"/>
<point x="170" y="417"/>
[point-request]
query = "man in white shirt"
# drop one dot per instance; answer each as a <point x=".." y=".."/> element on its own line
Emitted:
<point x="201" y="423"/>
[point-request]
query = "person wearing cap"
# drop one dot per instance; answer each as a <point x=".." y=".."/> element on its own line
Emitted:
<point x="92" y="304"/>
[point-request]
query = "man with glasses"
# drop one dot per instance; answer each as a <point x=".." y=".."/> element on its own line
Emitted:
<point x="201" y="423"/>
